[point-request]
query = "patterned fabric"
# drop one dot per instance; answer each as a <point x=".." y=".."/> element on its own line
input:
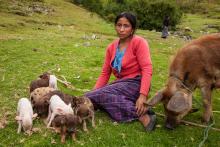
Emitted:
<point x="118" y="59"/>
<point x="118" y="98"/>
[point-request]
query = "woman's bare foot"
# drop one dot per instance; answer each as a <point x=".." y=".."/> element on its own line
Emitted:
<point x="145" y="120"/>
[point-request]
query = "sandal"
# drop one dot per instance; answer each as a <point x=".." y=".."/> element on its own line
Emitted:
<point x="151" y="126"/>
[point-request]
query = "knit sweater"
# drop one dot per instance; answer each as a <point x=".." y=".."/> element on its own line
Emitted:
<point x="136" y="61"/>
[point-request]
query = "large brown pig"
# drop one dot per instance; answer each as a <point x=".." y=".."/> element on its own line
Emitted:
<point x="196" y="65"/>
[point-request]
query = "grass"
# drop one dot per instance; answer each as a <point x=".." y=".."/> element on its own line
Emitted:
<point x="30" y="45"/>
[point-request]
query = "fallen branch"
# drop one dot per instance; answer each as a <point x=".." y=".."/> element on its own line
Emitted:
<point x="191" y="123"/>
<point x="67" y="84"/>
<point x="70" y="86"/>
<point x="63" y="82"/>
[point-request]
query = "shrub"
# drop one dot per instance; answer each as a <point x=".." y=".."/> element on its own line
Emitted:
<point x="150" y="13"/>
<point x="92" y="5"/>
<point x="112" y="9"/>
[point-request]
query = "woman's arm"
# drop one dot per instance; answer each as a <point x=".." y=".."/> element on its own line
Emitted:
<point x="106" y="71"/>
<point x="144" y="60"/>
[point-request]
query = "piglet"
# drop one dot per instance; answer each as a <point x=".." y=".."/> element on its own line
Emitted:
<point x="25" y="115"/>
<point x="57" y="107"/>
<point x="85" y="110"/>
<point x="40" y="100"/>
<point x="44" y="80"/>
<point x="66" y="124"/>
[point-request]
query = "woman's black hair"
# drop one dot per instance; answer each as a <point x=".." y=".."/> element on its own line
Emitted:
<point x="130" y="17"/>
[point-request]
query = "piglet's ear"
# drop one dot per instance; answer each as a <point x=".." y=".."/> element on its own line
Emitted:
<point x="45" y="75"/>
<point x="69" y="105"/>
<point x="179" y="102"/>
<point x="79" y="119"/>
<point x="60" y="111"/>
<point x="18" y="118"/>
<point x="35" y="115"/>
<point x="47" y="102"/>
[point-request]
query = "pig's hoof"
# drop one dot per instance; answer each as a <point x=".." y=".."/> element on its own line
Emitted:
<point x="169" y="126"/>
<point x="206" y="120"/>
<point x="207" y="117"/>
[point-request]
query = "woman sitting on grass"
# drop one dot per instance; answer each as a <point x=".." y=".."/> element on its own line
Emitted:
<point x="128" y="58"/>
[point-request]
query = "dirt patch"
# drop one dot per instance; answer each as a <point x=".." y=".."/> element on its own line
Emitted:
<point x="27" y="8"/>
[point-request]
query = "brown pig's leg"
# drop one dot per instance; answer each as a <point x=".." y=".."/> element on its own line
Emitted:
<point x="207" y="103"/>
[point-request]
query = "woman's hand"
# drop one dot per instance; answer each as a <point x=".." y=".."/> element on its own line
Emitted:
<point x="140" y="107"/>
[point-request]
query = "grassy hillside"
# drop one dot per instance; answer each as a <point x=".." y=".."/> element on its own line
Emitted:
<point x="59" y="36"/>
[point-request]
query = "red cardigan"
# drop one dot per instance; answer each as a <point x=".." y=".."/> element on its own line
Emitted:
<point x="136" y="61"/>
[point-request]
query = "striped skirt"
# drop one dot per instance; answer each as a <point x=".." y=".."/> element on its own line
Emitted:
<point x="118" y="99"/>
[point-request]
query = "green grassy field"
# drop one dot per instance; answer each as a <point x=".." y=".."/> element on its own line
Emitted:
<point x="62" y="39"/>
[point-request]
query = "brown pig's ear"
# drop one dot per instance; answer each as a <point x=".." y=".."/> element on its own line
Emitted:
<point x="156" y="99"/>
<point x="179" y="102"/>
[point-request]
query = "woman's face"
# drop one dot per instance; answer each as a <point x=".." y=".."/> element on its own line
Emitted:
<point x="123" y="28"/>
